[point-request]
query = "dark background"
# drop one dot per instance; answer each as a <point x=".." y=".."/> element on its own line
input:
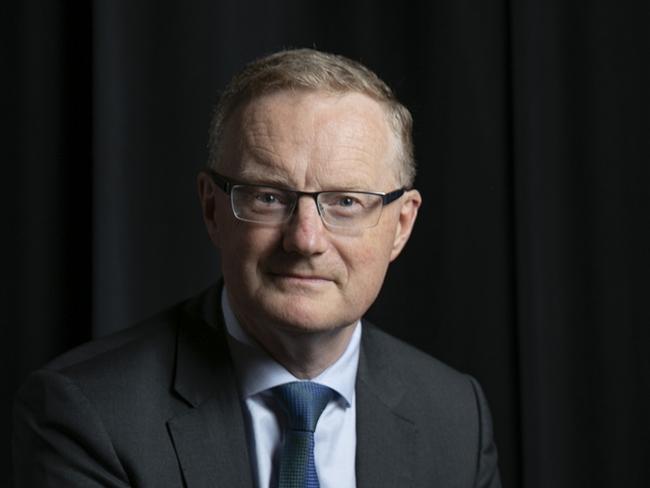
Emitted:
<point x="530" y="261"/>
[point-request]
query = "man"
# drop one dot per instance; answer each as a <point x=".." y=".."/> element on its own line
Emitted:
<point x="271" y="378"/>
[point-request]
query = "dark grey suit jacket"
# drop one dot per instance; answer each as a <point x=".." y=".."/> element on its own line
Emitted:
<point x="157" y="406"/>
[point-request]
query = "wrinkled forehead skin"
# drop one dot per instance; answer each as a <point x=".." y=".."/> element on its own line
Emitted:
<point x="344" y="125"/>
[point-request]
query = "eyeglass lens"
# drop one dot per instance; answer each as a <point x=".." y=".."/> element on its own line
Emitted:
<point x="272" y="205"/>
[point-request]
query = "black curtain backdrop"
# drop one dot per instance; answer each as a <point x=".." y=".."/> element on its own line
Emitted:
<point x="530" y="260"/>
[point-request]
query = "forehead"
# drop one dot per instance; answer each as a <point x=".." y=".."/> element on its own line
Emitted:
<point x="312" y="138"/>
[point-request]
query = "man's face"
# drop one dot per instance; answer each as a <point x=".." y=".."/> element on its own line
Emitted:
<point x="301" y="276"/>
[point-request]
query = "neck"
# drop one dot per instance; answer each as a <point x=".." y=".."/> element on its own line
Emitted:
<point x="304" y="354"/>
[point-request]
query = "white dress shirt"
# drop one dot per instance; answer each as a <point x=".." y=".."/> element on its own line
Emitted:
<point x="335" y="438"/>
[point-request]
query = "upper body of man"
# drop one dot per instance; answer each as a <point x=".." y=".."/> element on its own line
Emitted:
<point x="272" y="378"/>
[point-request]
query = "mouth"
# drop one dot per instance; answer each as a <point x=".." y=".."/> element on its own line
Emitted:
<point x="301" y="279"/>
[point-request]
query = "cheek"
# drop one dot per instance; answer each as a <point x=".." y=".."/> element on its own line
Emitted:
<point x="367" y="260"/>
<point x="245" y="247"/>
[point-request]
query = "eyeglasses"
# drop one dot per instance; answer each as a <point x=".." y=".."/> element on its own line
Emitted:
<point x="341" y="208"/>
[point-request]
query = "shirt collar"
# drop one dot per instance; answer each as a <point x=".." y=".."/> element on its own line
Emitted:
<point x="257" y="371"/>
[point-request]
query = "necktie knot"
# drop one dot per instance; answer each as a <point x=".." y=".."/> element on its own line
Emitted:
<point x="303" y="402"/>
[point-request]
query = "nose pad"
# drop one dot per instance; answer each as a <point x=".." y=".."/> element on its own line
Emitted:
<point x="305" y="231"/>
<point x="302" y="207"/>
<point x="319" y="210"/>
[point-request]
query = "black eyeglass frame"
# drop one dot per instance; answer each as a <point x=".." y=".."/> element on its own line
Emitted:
<point x="227" y="185"/>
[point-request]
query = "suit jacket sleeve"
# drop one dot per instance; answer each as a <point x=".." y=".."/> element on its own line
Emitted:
<point x="58" y="438"/>
<point x="487" y="470"/>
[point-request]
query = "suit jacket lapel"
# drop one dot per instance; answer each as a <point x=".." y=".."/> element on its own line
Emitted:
<point x="210" y="438"/>
<point x="386" y="437"/>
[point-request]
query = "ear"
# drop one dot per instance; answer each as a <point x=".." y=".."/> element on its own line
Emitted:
<point x="207" y="193"/>
<point x="411" y="202"/>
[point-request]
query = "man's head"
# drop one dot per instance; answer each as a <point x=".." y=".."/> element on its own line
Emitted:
<point x="312" y="122"/>
<point x="312" y="70"/>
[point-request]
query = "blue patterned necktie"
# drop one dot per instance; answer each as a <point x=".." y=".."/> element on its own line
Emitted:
<point x="303" y="403"/>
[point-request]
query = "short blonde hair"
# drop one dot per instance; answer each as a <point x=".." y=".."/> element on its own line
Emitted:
<point x="315" y="70"/>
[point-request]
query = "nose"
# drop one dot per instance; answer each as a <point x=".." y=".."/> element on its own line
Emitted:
<point x="305" y="233"/>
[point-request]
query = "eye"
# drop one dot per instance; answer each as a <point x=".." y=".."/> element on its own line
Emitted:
<point x="347" y="201"/>
<point x="267" y="198"/>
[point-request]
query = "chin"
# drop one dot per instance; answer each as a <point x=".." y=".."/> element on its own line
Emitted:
<point x="306" y="315"/>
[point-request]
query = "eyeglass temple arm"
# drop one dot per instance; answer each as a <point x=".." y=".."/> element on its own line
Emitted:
<point x="392" y="196"/>
<point x="221" y="182"/>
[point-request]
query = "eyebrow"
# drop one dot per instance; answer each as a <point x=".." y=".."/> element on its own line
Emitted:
<point x="279" y="180"/>
<point x="265" y="180"/>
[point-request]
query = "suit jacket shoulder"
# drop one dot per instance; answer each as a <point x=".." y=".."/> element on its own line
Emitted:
<point x="136" y="408"/>
<point x="420" y="422"/>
